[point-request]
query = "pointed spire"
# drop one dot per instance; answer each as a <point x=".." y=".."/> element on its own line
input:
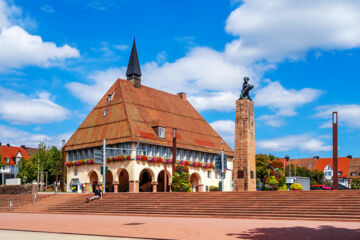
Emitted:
<point x="133" y="70"/>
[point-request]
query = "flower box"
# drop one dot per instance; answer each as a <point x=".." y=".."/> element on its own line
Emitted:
<point x="168" y="161"/>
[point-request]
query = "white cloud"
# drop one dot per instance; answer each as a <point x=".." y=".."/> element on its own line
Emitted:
<point x="283" y="102"/>
<point x="304" y="143"/>
<point x="220" y="101"/>
<point x="19" y="48"/>
<point x="226" y="129"/>
<point x="47" y="8"/>
<point x="121" y="47"/>
<point x="18" y="108"/>
<point x="279" y="29"/>
<point x="17" y="137"/>
<point x="348" y="115"/>
<point x="101" y="81"/>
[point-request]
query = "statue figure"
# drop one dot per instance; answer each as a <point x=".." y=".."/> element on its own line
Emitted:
<point x="246" y="89"/>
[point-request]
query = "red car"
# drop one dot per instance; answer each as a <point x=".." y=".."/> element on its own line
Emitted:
<point x="319" y="187"/>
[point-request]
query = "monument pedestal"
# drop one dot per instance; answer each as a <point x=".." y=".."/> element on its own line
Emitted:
<point x="244" y="169"/>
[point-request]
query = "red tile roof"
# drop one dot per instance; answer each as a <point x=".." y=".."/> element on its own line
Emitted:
<point x="354" y="166"/>
<point x="133" y="113"/>
<point x="11" y="153"/>
<point x="343" y="165"/>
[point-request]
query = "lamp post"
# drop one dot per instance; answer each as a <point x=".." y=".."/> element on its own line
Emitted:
<point x="287" y="158"/>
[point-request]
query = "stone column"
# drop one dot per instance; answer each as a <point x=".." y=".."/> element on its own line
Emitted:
<point x="87" y="187"/>
<point x="133" y="186"/>
<point x="244" y="169"/>
<point x="116" y="185"/>
<point x="154" y="185"/>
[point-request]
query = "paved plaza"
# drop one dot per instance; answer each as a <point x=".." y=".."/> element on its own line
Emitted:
<point x="15" y="235"/>
<point x="172" y="228"/>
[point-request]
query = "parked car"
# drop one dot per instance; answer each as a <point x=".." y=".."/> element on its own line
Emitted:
<point x="319" y="187"/>
<point x="342" y="187"/>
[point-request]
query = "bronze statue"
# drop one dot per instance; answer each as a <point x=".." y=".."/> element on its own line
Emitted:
<point x="246" y="89"/>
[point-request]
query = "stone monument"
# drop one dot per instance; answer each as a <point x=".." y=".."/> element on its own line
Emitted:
<point x="244" y="169"/>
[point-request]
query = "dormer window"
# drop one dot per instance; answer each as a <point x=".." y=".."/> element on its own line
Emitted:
<point x="339" y="173"/>
<point x="160" y="132"/>
<point x="110" y="97"/>
<point x="105" y="113"/>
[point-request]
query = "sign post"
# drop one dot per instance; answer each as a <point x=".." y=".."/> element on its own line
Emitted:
<point x="222" y="168"/>
<point x="335" y="149"/>
<point x="104" y="165"/>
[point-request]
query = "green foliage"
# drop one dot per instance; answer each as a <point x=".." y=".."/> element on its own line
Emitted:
<point x="296" y="186"/>
<point x="283" y="188"/>
<point x="317" y="177"/>
<point x="181" y="179"/>
<point x="270" y="172"/>
<point x="215" y="189"/>
<point x="45" y="160"/>
<point x="355" y="183"/>
<point x="2" y="163"/>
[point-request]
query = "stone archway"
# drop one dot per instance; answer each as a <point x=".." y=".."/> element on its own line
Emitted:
<point x="160" y="180"/>
<point x="109" y="186"/>
<point x="93" y="179"/>
<point x="195" y="182"/>
<point x="145" y="183"/>
<point x="123" y="181"/>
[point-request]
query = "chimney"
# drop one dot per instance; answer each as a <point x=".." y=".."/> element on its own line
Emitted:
<point x="8" y="145"/>
<point x="23" y="146"/>
<point x="133" y="72"/>
<point x="349" y="156"/>
<point x="0" y="144"/>
<point x="182" y="95"/>
<point x="316" y="157"/>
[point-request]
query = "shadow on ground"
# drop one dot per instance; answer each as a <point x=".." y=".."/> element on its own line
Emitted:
<point x="297" y="233"/>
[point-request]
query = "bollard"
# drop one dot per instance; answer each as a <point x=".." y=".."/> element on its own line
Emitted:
<point x="10" y="205"/>
<point x="34" y="199"/>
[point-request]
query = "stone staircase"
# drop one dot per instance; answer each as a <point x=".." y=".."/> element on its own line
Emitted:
<point x="312" y="205"/>
<point x="18" y="200"/>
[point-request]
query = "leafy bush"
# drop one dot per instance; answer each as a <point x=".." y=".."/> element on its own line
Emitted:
<point x="355" y="183"/>
<point x="214" y="189"/>
<point x="181" y="179"/>
<point x="296" y="186"/>
<point x="283" y="188"/>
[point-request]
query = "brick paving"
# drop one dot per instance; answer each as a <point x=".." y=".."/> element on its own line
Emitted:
<point x="180" y="228"/>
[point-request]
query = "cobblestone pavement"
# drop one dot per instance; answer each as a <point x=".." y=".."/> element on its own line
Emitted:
<point x="178" y="227"/>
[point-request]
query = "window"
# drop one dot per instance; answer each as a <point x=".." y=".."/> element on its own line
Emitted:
<point x="182" y="155"/>
<point x="161" y="151"/>
<point x="207" y="188"/>
<point x="187" y="155"/>
<point x="110" y="97"/>
<point x="75" y="172"/>
<point x="353" y="174"/>
<point x="105" y="113"/>
<point x="339" y="173"/>
<point x="161" y="132"/>
<point x="209" y="174"/>
<point x="7" y="160"/>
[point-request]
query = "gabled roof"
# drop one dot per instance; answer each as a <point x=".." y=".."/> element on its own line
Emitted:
<point x="11" y="153"/>
<point x="354" y="166"/>
<point x="133" y="113"/>
<point x="343" y="165"/>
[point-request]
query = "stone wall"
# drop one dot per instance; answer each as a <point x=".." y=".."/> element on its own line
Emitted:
<point x="17" y="189"/>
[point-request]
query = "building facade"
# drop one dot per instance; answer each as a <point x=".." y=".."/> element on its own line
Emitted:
<point x="137" y="123"/>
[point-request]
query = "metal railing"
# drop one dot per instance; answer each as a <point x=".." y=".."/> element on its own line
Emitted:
<point x="12" y="198"/>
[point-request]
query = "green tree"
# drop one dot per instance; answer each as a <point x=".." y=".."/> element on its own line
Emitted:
<point x="44" y="160"/>
<point x="355" y="183"/>
<point x="270" y="171"/>
<point x="181" y="180"/>
<point x="2" y="163"/>
<point x="317" y="177"/>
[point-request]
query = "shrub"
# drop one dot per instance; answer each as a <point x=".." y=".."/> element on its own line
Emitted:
<point x="296" y="186"/>
<point x="355" y="183"/>
<point x="181" y="179"/>
<point x="214" y="189"/>
<point x="283" y="188"/>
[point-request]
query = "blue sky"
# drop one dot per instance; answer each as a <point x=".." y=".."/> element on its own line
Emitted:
<point x="57" y="58"/>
